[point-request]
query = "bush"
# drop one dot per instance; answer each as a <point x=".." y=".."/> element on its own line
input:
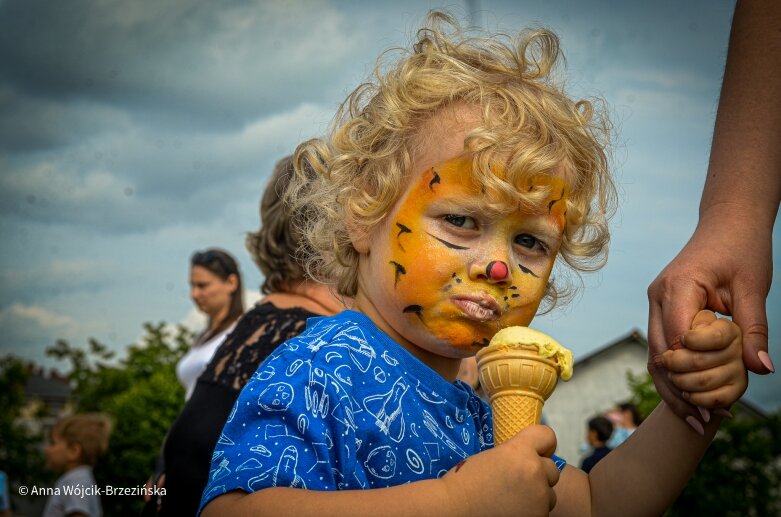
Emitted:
<point x="142" y="396"/>
<point x="740" y="474"/>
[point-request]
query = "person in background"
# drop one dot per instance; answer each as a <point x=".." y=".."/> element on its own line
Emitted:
<point x="625" y="417"/>
<point x="290" y="299"/>
<point x="76" y="443"/>
<point x="727" y="265"/>
<point x="5" y="496"/>
<point x="215" y="287"/>
<point x="599" y="431"/>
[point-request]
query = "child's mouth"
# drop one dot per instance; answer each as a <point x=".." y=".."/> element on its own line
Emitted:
<point x="478" y="308"/>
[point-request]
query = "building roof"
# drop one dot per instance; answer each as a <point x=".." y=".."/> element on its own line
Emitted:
<point x="38" y="386"/>
<point x="634" y="336"/>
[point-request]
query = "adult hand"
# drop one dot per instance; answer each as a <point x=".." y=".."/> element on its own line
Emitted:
<point x="725" y="267"/>
<point x="150" y="484"/>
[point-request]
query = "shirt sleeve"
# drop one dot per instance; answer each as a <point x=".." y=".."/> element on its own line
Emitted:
<point x="559" y="462"/>
<point x="280" y="433"/>
<point x="78" y="504"/>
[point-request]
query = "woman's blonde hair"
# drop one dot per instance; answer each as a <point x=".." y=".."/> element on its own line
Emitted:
<point x="529" y="125"/>
<point x="273" y="247"/>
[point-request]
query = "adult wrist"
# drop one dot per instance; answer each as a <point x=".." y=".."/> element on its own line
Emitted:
<point x="745" y="216"/>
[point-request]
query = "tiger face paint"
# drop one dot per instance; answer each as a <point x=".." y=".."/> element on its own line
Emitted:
<point x="445" y="274"/>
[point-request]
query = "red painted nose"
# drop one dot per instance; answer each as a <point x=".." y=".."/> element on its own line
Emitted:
<point x="496" y="270"/>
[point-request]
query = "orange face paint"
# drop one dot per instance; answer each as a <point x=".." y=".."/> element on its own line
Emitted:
<point x="455" y="272"/>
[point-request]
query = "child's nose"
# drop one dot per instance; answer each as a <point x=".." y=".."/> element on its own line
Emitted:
<point x="494" y="271"/>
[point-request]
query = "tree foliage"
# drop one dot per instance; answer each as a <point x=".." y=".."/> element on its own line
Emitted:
<point x="20" y="453"/>
<point x="740" y="474"/>
<point x="142" y="396"/>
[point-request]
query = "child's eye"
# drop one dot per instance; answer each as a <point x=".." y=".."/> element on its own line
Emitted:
<point x="462" y="221"/>
<point x="529" y="241"/>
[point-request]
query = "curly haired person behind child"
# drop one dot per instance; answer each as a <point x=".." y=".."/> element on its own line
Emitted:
<point x="447" y="189"/>
<point x="76" y="443"/>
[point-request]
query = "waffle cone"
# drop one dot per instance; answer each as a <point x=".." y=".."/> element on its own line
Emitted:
<point x="517" y="381"/>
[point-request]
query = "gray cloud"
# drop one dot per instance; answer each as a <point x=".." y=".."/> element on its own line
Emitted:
<point x="177" y="64"/>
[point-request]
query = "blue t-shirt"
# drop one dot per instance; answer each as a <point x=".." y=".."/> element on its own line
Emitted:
<point x="342" y="406"/>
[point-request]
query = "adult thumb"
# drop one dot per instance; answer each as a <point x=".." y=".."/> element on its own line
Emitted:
<point x="751" y="316"/>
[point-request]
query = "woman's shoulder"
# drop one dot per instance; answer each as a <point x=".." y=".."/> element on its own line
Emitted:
<point x="257" y="334"/>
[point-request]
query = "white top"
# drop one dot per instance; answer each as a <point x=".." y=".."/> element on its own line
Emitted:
<point x="74" y="492"/>
<point x="193" y="363"/>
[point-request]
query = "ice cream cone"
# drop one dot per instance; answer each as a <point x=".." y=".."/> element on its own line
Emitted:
<point x="518" y="372"/>
<point x="517" y="381"/>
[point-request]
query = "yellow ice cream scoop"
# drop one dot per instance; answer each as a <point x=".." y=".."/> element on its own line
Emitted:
<point x="519" y="370"/>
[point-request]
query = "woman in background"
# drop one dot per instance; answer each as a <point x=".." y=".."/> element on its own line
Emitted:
<point x="215" y="288"/>
<point x="290" y="299"/>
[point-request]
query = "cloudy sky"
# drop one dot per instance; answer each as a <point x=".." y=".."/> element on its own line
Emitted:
<point x="133" y="133"/>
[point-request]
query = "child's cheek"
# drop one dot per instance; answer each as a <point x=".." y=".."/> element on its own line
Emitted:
<point x="416" y="265"/>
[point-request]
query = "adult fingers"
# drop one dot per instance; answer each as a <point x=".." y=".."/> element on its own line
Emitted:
<point x="751" y="316"/>
<point x="658" y="344"/>
<point x="147" y="493"/>
<point x="679" y="311"/>
<point x="673" y="304"/>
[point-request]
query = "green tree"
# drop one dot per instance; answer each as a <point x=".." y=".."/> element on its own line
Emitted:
<point x="140" y="393"/>
<point x="20" y="452"/>
<point x="740" y="474"/>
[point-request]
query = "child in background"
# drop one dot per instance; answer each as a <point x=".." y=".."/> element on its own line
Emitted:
<point x="5" y="496"/>
<point x="447" y="190"/>
<point x="76" y="443"/>
<point x="598" y="433"/>
<point x="626" y="418"/>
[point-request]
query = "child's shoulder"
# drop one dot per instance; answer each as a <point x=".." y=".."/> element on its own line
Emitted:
<point x="345" y="342"/>
<point x="326" y="337"/>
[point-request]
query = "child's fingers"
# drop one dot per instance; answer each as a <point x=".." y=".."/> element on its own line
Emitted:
<point x="683" y="360"/>
<point x="701" y="381"/>
<point x="540" y="437"/>
<point x="717" y="335"/>
<point x="721" y="397"/>
<point x="704" y="317"/>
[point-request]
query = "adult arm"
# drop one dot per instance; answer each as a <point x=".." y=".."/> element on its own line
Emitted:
<point x="727" y="264"/>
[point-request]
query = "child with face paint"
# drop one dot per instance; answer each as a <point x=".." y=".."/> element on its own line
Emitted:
<point x="448" y="189"/>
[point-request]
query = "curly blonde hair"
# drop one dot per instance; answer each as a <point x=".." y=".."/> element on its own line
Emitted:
<point x="529" y="126"/>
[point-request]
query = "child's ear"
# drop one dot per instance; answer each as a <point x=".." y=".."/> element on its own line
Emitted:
<point x="74" y="451"/>
<point x="359" y="236"/>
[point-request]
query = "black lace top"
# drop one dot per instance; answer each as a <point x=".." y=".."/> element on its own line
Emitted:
<point x="256" y="335"/>
<point x="190" y="441"/>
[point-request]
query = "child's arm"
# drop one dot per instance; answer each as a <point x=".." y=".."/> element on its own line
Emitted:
<point x="647" y="472"/>
<point x="512" y="479"/>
